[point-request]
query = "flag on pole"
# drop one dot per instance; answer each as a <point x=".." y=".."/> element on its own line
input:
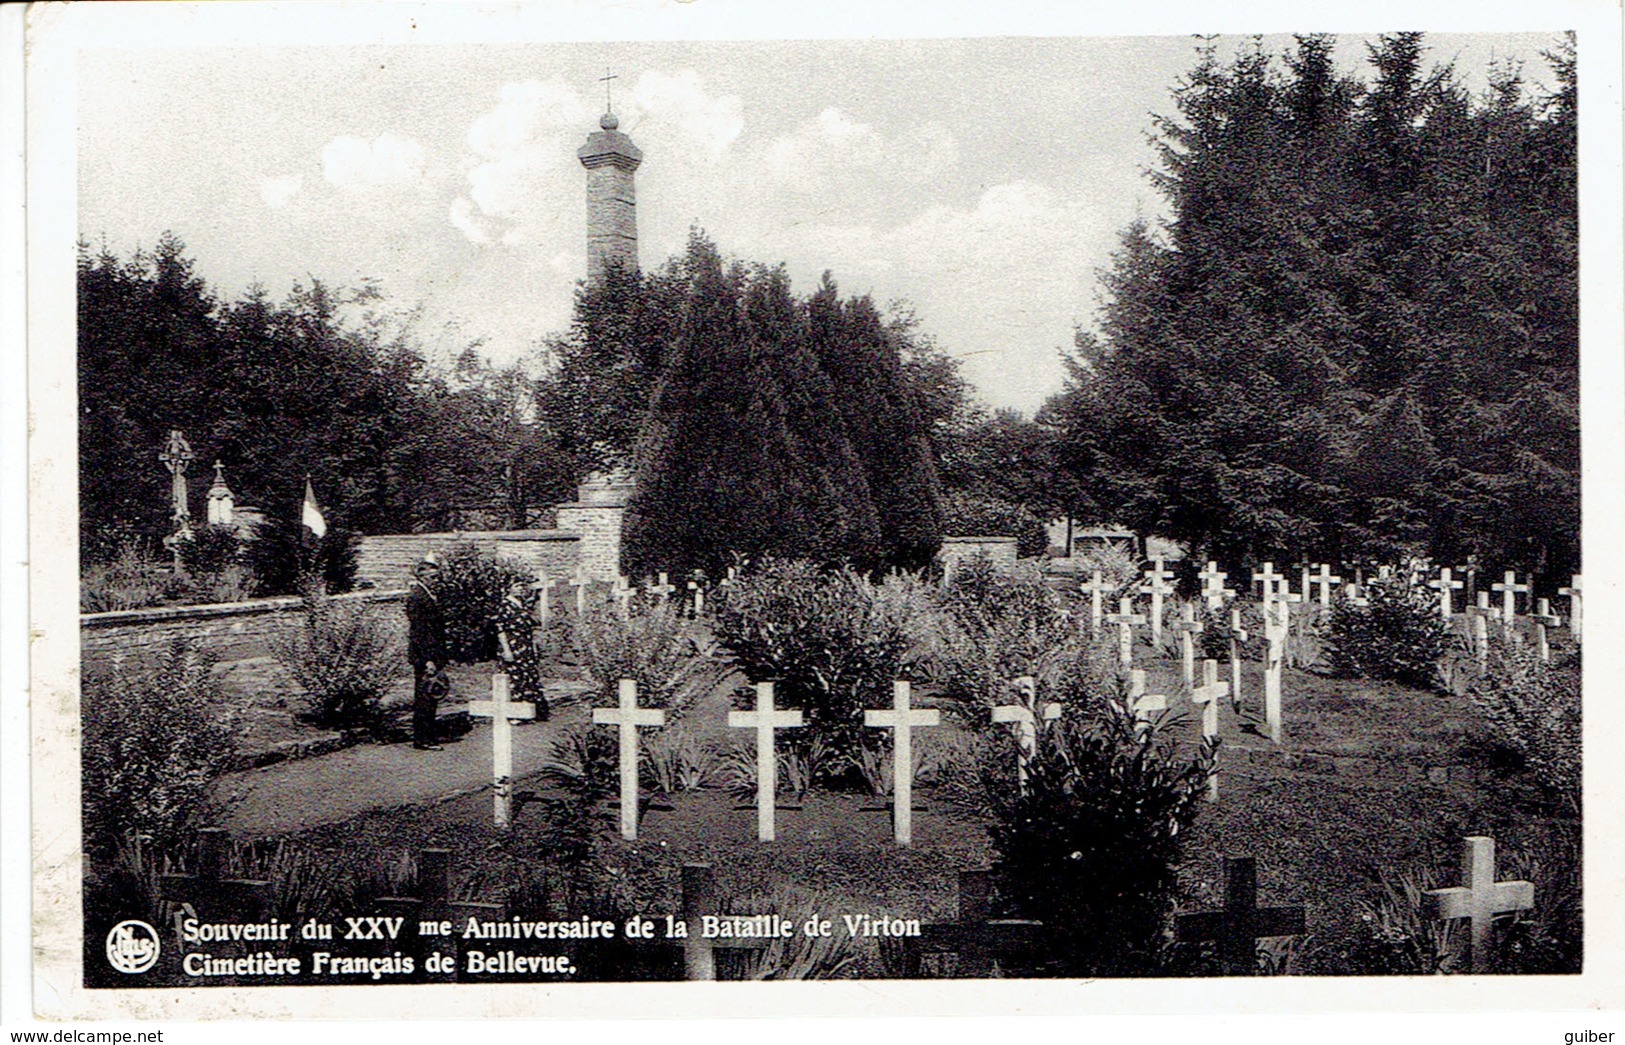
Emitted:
<point x="311" y="516"/>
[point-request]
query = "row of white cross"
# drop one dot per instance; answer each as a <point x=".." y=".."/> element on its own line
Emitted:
<point x="902" y="718"/>
<point x="623" y="592"/>
<point x="1269" y="583"/>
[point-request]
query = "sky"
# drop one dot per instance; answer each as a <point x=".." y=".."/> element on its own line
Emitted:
<point x="983" y="181"/>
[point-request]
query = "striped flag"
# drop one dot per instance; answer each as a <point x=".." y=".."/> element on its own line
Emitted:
<point x="311" y="516"/>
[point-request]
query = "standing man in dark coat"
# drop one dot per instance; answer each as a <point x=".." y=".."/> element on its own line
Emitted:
<point x="426" y="649"/>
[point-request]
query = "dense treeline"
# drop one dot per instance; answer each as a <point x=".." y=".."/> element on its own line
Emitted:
<point x="278" y="390"/>
<point x="1357" y="335"/>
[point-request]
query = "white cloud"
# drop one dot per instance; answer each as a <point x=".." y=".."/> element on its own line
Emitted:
<point x="521" y="162"/>
<point x="677" y="110"/>
<point x="388" y="161"/>
<point x="462" y="216"/>
<point x="278" y="192"/>
<point x="833" y="148"/>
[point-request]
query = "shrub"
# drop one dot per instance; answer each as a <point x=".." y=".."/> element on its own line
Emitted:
<point x="1118" y="566"/>
<point x="346" y="659"/>
<point x="970" y="515"/>
<point x="286" y="560"/>
<point x="154" y="740"/>
<point x="673" y="761"/>
<point x="830" y="647"/>
<point x="1534" y="708"/>
<point x="587" y="760"/>
<point x="1398" y="636"/>
<point x="131" y="579"/>
<point x="472" y="587"/>
<point x="656" y="648"/>
<point x="997" y="626"/>
<point x="211" y="549"/>
<point x="1092" y="845"/>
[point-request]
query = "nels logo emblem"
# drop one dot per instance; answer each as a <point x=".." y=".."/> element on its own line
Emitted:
<point x="132" y="946"/>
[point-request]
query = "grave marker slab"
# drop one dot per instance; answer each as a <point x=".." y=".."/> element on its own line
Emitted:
<point x="628" y="717"/>
<point x="765" y="719"/>
<point x="1480" y="900"/>
<point x="544" y="597"/>
<point x="623" y="593"/>
<point x="1275" y="633"/>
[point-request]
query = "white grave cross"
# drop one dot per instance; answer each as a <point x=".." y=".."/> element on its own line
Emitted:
<point x="544" y="590"/>
<point x="1572" y="593"/>
<point x="1265" y="576"/>
<point x="1125" y="618"/>
<point x="1479" y="616"/>
<point x="1188" y="627"/>
<point x="580" y="582"/>
<point x="1095" y="588"/>
<point x="765" y="719"/>
<point x="1324" y="581"/>
<point x="1480" y="900"/>
<point x="1156" y="586"/>
<point x="1510" y="589"/>
<point x="1275" y="632"/>
<point x="1020" y="716"/>
<point x="902" y="721"/>
<point x="501" y="711"/>
<point x="1543" y="618"/>
<point x="1213" y="589"/>
<point x="623" y="594"/>
<point x="661" y="591"/>
<point x="629" y="717"/>
<point x="1141" y="703"/>
<point x="1444" y="586"/>
<point x="1237" y="635"/>
<point x="1208" y="694"/>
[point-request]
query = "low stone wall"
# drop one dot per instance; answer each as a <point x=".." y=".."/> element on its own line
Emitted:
<point x="229" y="631"/>
<point x="956" y="551"/>
<point x="387" y="560"/>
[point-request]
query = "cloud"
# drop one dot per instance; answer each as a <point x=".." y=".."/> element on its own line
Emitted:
<point x="675" y="109"/>
<point x="520" y="164"/>
<point x="388" y="161"/>
<point x="833" y="148"/>
<point x="278" y="192"/>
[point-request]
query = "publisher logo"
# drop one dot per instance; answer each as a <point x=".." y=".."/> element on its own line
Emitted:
<point x="132" y="946"/>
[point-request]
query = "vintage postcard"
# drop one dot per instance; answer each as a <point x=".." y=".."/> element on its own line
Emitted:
<point x="533" y="508"/>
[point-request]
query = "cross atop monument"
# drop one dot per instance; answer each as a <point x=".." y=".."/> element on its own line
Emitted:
<point x="605" y="79"/>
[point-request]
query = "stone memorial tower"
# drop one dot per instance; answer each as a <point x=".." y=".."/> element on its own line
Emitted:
<point x="612" y="210"/>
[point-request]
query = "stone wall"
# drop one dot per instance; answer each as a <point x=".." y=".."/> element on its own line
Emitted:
<point x="956" y="551"/>
<point x="599" y="527"/>
<point x="387" y="560"/>
<point x="229" y="631"/>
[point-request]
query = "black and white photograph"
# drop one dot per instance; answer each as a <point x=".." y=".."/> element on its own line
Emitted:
<point x="556" y="503"/>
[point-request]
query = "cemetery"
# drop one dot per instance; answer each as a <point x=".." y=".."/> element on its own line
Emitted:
<point x="737" y="644"/>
